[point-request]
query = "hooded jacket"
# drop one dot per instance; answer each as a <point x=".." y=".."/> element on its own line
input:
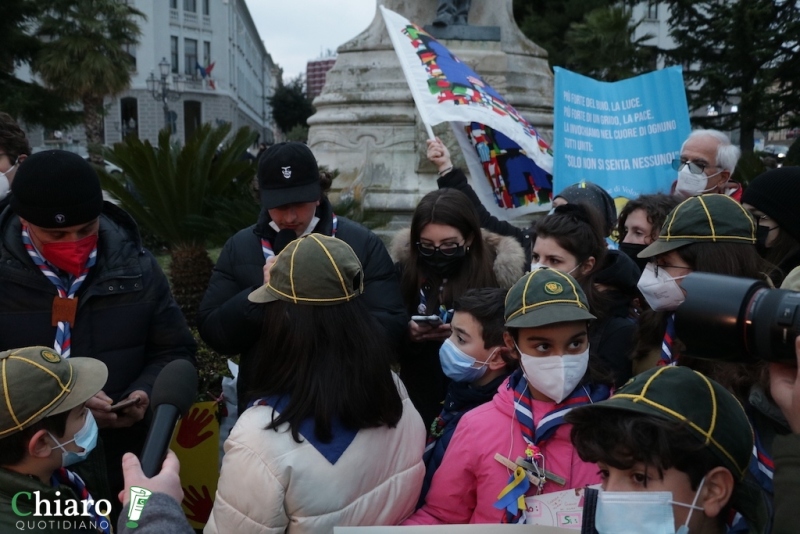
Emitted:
<point x="231" y="324"/>
<point x="126" y="315"/>
<point x="271" y="484"/>
<point x="467" y="483"/>
<point x="419" y="362"/>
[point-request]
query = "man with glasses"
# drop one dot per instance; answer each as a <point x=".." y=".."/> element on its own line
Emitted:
<point x="706" y="164"/>
<point x="14" y="148"/>
<point x="292" y="205"/>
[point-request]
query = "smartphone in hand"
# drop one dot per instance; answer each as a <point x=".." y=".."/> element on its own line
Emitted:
<point x="121" y="405"/>
<point x="430" y="320"/>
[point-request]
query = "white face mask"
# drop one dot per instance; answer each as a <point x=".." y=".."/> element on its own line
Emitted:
<point x="536" y="265"/>
<point x="5" y="185"/>
<point x="662" y="292"/>
<point x="692" y="185"/>
<point x="554" y="376"/>
<point x="635" y="512"/>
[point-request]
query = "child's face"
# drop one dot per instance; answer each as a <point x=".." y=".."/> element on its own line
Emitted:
<point x="643" y="478"/>
<point x="555" y="339"/>
<point x="75" y="421"/>
<point x="468" y="337"/>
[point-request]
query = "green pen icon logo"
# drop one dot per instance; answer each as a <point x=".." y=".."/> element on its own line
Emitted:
<point x="139" y="498"/>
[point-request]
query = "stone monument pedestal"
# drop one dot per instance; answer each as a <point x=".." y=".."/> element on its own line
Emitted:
<point x="366" y="124"/>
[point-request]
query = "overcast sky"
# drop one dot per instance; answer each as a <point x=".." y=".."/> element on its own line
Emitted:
<point x="296" y="31"/>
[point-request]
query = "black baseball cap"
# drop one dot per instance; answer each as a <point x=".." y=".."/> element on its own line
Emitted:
<point x="288" y="174"/>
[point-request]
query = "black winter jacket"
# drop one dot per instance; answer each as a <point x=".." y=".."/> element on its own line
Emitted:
<point x="126" y="315"/>
<point x="230" y="324"/>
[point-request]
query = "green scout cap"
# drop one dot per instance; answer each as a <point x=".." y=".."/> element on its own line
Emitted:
<point x="314" y="269"/>
<point x="704" y="219"/>
<point x="545" y="296"/>
<point x="710" y="412"/>
<point x="35" y="382"/>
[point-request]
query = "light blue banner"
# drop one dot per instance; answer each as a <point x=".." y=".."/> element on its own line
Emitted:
<point x="622" y="136"/>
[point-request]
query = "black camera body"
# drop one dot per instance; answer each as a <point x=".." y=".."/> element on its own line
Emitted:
<point x="737" y="319"/>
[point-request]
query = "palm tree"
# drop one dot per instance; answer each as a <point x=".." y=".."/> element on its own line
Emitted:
<point x="186" y="196"/>
<point x="603" y="45"/>
<point x="84" y="54"/>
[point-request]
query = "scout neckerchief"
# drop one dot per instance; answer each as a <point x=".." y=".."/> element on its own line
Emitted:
<point x="668" y="357"/>
<point x="266" y="245"/>
<point x="65" y="477"/>
<point x="65" y="304"/>
<point x="761" y="465"/>
<point x="523" y="411"/>
<point x="331" y="451"/>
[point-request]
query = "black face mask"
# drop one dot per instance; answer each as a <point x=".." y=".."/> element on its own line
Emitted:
<point x="762" y="235"/>
<point x="632" y="250"/>
<point x="444" y="265"/>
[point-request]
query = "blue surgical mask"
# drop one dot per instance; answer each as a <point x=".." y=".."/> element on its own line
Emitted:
<point x="458" y="366"/>
<point x="635" y="512"/>
<point x="85" y="438"/>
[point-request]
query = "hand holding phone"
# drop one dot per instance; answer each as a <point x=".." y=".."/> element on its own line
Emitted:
<point x="121" y="405"/>
<point x="430" y="320"/>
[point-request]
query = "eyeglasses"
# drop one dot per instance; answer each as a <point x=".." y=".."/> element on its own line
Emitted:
<point x="447" y="249"/>
<point x="656" y="267"/>
<point x="694" y="167"/>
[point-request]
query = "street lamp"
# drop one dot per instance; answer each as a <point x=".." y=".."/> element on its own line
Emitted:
<point x="161" y="90"/>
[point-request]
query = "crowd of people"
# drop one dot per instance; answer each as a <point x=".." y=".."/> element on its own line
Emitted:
<point x="440" y="380"/>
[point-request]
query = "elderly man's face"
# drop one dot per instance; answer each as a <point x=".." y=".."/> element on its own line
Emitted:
<point x="294" y="217"/>
<point x="702" y="150"/>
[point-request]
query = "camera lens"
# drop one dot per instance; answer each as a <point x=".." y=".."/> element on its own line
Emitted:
<point x="737" y="319"/>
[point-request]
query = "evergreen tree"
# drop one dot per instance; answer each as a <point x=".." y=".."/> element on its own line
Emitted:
<point x="27" y="101"/>
<point x="604" y="46"/>
<point x="290" y="105"/>
<point x="546" y="23"/>
<point x="742" y="52"/>
<point x="83" y="54"/>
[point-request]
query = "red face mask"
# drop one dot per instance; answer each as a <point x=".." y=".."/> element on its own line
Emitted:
<point x="70" y="256"/>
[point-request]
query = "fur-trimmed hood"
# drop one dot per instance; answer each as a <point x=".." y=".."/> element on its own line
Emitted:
<point x="509" y="256"/>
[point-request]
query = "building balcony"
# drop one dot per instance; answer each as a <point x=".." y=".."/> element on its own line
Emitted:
<point x="190" y="19"/>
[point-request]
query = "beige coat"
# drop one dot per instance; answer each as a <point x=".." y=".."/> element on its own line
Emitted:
<point x="271" y="484"/>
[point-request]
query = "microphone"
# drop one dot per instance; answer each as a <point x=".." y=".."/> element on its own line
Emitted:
<point x="283" y="238"/>
<point x="173" y="394"/>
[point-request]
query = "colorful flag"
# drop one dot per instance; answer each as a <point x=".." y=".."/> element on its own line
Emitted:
<point x="509" y="163"/>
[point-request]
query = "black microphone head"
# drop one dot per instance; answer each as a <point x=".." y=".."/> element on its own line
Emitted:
<point x="283" y="238"/>
<point x="176" y="384"/>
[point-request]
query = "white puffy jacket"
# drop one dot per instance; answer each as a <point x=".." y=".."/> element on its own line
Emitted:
<point x="271" y="484"/>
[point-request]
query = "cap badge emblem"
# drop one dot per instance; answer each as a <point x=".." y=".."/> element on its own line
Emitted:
<point x="60" y="218"/>
<point x="50" y="356"/>
<point x="287" y="172"/>
<point x="553" y="288"/>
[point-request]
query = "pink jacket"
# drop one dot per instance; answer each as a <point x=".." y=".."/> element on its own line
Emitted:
<point x="468" y="481"/>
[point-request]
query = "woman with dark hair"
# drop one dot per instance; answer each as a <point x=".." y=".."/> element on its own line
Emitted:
<point x="332" y="438"/>
<point x="772" y="198"/>
<point x="569" y="241"/>
<point x="640" y="223"/>
<point x="442" y="255"/>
